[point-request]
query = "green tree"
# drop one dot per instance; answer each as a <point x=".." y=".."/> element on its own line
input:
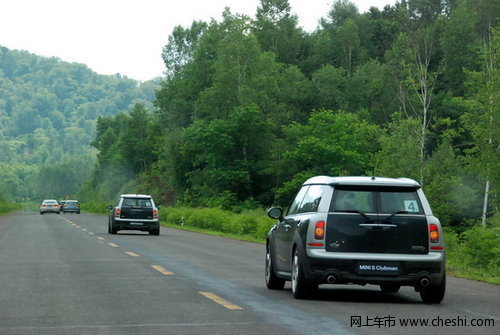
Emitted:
<point x="181" y="46"/>
<point x="399" y="153"/>
<point x="483" y="119"/>
<point x="135" y="142"/>
<point x="329" y="85"/>
<point x="226" y="155"/>
<point x="348" y="38"/>
<point x="331" y="143"/>
<point x="277" y="31"/>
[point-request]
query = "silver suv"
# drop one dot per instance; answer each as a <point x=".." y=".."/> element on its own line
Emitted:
<point x="361" y="230"/>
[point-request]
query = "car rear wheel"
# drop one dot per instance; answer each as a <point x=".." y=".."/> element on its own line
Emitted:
<point x="301" y="287"/>
<point x="434" y="294"/>
<point x="112" y="229"/>
<point x="155" y="231"/>
<point x="272" y="282"/>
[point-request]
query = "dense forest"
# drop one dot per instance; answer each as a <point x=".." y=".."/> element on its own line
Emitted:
<point x="48" y="112"/>
<point x="251" y="107"/>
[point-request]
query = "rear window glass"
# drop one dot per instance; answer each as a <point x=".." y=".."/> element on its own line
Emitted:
<point x="137" y="202"/>
<point x="382" y="200"/>
<point x="350" y="200"/>
<point x="391" y="202"/>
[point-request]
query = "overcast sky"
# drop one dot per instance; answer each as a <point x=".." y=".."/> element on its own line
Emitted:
<point x="125" y="36"/>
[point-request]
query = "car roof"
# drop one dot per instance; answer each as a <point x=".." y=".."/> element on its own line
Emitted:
<point x="135" y="196"/>
<point x="50" y="200"/>
<point x="362" y="180"/>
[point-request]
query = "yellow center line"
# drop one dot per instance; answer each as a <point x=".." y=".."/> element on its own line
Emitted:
<point x="84" y="229"/>
<point x="215" y="298"/>
<point x="101" y="238"/>
<point x="113" y="245"/>
<point x="91" y="233"/>
<point x="161" y="269"/>
<point x="130" y="253"/>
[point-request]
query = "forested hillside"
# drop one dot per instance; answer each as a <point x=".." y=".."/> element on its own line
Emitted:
<point x="48" y="112"/>
<point x="251" y="107"/>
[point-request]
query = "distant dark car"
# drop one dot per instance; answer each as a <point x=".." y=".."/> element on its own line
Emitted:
<point x="61" y="204"/>
<point x="357" y="230"/>
<point x="134" y="212"/>
<point x="49" y="206"/>
<point x="71" y="206"/>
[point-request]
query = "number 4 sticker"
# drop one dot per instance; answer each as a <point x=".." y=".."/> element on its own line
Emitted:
<point x="411" y="206"/>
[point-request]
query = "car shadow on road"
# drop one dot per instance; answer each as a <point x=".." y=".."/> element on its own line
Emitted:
<point x="364" y="295"/>
<point x="138" y="233"/>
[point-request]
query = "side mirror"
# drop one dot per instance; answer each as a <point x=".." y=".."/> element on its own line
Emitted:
<point x="158" y="207"/>
<point x="109" y="207"/>
<point x="275" y="213"/>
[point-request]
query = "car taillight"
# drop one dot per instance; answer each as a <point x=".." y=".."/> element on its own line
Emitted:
<point x="78" y="205"/>
<point x="117" y="212"/>
<point x="319" y="230"/>
<point x="433" y="233"/>
<point x="44" y="206"/>
<point x="155" y="214"/>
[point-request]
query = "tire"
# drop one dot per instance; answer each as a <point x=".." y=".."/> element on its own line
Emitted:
<point x="301" y="287"/>
<point x="272" y="282"/>
<point x="434" y="294"/>
<point x="112" y="229"/>
<point x="155" y="231"/>
<point x="390" y="288"/>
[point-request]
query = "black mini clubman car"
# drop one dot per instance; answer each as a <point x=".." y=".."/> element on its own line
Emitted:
<point x="134" y="212"/>
<point x="360" y="230"/>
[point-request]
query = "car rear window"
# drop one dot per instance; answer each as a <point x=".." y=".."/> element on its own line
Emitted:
<point x="137" y="202"/>
<point x="382" y="200"/>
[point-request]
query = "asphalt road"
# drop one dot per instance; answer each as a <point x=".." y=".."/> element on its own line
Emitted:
<point x="64" y="274"/>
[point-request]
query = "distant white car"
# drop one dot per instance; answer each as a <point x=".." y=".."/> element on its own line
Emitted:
<point x="50" y="206"/>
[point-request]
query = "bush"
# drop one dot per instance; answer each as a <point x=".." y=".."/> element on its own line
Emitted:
<point x="95" y="207"/>
<point x="253" y="223"/>
<point x="7" y="207"/>
<point x="474" y="253"/>
<point x="481" y="250"/>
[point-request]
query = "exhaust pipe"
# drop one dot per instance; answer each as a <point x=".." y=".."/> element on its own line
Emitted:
<point x="424" y="282"/>
<point x="331" y="279"/>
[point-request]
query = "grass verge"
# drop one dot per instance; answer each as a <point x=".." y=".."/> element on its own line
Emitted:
<point x="7" y="207"/>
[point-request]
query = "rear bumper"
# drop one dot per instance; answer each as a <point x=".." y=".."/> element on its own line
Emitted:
<point x="144" y="225"/>
<point x="50" y="210"/>
<point x="342" y="268"/>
